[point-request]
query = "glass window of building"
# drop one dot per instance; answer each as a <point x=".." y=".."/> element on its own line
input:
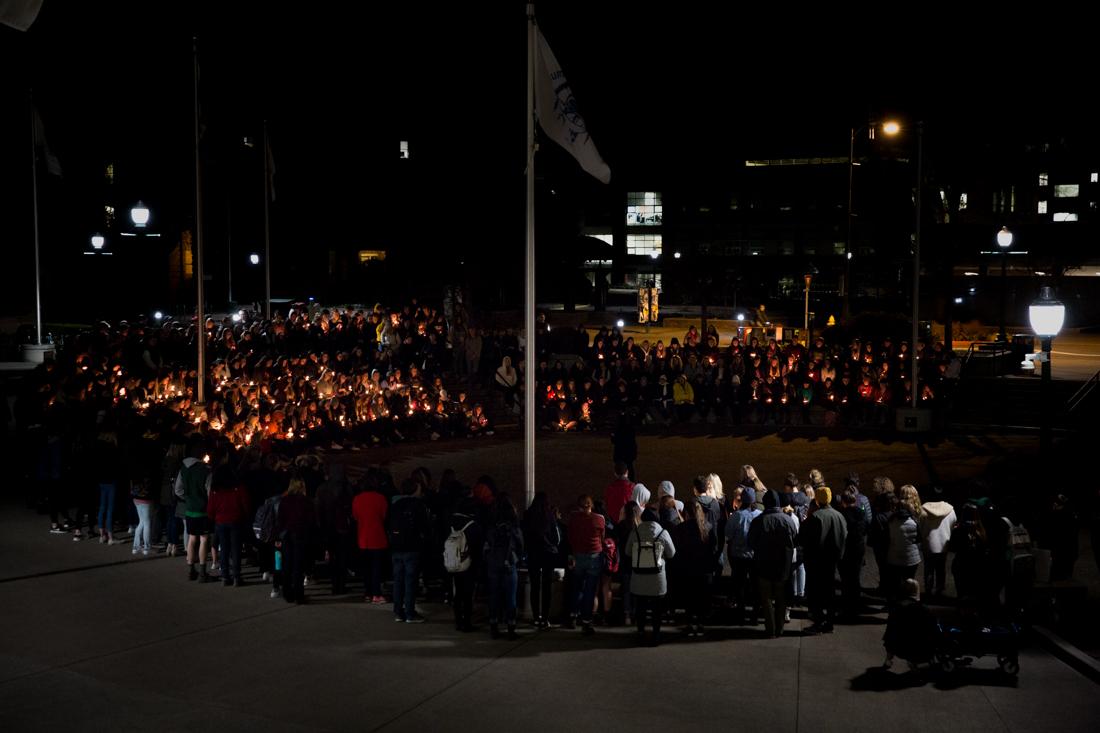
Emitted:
<point x="962" y="202"/>
<point x="643" y="208"/>
<point x="404" y="149"/>
<point x="1064" y="216"/>
<point x="1042" y="207"/>
<point x="1044" y="179"/>
<point x="1067" y="191"/>
<point x="1094" y="177"/>
<point x="643" y="244"/>
<point x="109" y="173"/>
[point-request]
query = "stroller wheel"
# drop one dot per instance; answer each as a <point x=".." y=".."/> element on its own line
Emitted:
<point x="1009" y="665"/>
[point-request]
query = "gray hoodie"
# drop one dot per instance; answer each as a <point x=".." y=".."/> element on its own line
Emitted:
<point x="654" y="584"/>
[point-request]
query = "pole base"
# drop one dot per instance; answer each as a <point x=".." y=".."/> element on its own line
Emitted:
<point x="38" y="353"/>
<point x="913" y="420"/>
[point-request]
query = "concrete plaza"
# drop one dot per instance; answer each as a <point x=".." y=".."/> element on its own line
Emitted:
<point x="94" y="639"/>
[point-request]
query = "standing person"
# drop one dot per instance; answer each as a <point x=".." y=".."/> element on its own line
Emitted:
<point x="649" y="547"/>
<point x="624" y="444"/>
<point x="823" y="538"/>
<point x="143" y="503"/>
<point x="295" y="526"/>
<point x="740" y="554"/>
<point x="170" y="509"/>
<point x="503" y="549"/>
<point x="585" y="532"/>
<point x="107" y="466"/>
<point x="878" y="536"/>
<point x="772" y="537"/>
<point x="937" y="517"/>
<point x="543" y="538"/>
<point x="228" y="510"/>
<point x="192" y="488"/>
<point x="619" y="491"/>
<point x="695" y="540"/>
<point x="465" y="520"/>
<point x="409" y="529"/>
<point x="369" y="509"/>
<point x="334" y="517"/>
<point x="851" y="565"/>
<point x="472" y="354"/>
<point x="903" y="554"/>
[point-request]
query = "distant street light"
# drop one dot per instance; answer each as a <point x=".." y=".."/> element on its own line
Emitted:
<point x="139" y="215"/>
<point x="676" y="255"/>
<point x="1004" y="241"/>
<point x="254" y="258"/>
<point x="158" y="315"/>
<point x="98" y="241"/>
<point x="1047" y="316"/>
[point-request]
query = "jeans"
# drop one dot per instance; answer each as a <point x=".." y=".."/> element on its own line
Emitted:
<point x="406" y="568"/>
<point x="106" y="507"/>
<point x="798" y="580"/>
<point x="695" y="592"/>
<point x="935" y="571"/>
<point x="370" y="565"/>
<point x="502" y="595"/>
<point x="586" y="575"/>
<point x="540" y="576"/>
<point x="229" y="540"/>
<point x="144" y="527"/>
<point x="294" y="567"/>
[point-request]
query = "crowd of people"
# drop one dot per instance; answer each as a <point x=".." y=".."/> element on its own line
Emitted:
<point x="629" y="555"/>
<point x="752" y="379"/>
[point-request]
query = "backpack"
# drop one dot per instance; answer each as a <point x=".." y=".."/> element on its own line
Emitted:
<point x="647" y="559"/>
<point x="263" y="524"/>
<point x="610" y="555"/>
<point x="456" y="551"/>
<point x="405" y="532"/>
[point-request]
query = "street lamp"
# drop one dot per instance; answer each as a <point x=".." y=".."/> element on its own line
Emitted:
<point x="98" y="241"/>
<point x="254" y="258"/>
<point x="1004" y="241"/>
<point x="139" y="215"/>
<point x="1046" y="316"/>
<point x="890" y="129"/>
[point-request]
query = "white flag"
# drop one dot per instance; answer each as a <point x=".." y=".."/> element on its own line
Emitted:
<point x="42" y="148"/>
<point x="557" y="113"/>
<point x="19" y="14"/>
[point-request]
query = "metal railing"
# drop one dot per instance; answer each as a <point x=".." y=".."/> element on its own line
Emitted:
<point x="1083" y="393"/>
<point x="993" y="349"/>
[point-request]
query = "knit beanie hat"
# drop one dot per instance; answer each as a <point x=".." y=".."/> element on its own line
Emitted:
<point x="823" y="495"/>
<point x="665" y="488"/>
<point x="748" y="496"/>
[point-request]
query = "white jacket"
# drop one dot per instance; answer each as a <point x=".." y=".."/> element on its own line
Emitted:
<point x="936" y="520"/>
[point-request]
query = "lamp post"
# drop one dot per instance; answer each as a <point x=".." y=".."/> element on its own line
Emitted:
<point x="1004" y="241"/>
<point x="1046" y="315"/>
<point x="806" y="314"/>
<point x="139" y="215"/>
<point x="890" y="128"/>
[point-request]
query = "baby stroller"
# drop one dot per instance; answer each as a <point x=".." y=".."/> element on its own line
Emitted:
<point x="961" y="644"/>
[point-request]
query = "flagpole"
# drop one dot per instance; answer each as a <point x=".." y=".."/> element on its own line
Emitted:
<point x="529" y="309"/>
<point x="37" y="258"/>
<point x="267" y="227"/>
<point x="200" y="315"/>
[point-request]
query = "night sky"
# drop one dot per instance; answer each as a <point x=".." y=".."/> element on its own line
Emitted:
<point x="671" y="93"/>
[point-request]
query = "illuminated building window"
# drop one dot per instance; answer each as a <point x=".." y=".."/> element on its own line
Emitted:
<point x="643" y="244"/>
<point x="109" y="173"/>
<point x="404" y="150"/>
<point x="1094" y="177"/>
<point x="109" y="216"/>
<point x="1044" y="179"/>
<point x="1064" y="216"/>
<point x="1042" y="207"/>
<point x="1067" y="191"/>
<point x="962" y="202"/>
<point x="643" y="208"/>
<point x="371" y="255"/>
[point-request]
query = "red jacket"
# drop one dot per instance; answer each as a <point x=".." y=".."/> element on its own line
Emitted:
<point x="229" y="506"/>
<point x="618" y="492"/>
<point x="369" y="509"/>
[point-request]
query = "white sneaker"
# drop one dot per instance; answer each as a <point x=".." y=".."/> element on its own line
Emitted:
<point x="266" y="576"/>
<point x="134" y="551"/>
<point x="145" y="551"/>
<point x="275" y="594"/>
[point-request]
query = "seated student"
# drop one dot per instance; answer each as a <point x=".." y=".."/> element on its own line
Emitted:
<point x="911" y="629"/>
<point x="565" y="420"/>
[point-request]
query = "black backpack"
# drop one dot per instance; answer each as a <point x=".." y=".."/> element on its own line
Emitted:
<point x="406" y="530"/>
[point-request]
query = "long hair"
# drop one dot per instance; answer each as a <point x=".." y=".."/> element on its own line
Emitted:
<point x="910" y="499"/>
<point x="539" y="514"/>
<point x="504" y="511"/>
<point x="632" y="513"/>
<point x="714" y="487"/>
<point x="694" y="514"/>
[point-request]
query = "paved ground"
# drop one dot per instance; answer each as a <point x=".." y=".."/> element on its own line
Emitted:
<point x="134" y="645"/>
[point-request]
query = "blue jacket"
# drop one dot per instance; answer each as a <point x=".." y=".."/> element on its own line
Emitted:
<point x="737" y="532"/>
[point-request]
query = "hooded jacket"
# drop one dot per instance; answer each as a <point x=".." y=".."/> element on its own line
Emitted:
<point x="936" y="520"/>
<point x="654" y="584"/>
<point x="904" y="548"/>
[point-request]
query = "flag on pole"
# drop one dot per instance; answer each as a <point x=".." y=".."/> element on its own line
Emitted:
<point x="42" y="148"/>
<point x="19" y="14"/>
<point x="558" y="115"/>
